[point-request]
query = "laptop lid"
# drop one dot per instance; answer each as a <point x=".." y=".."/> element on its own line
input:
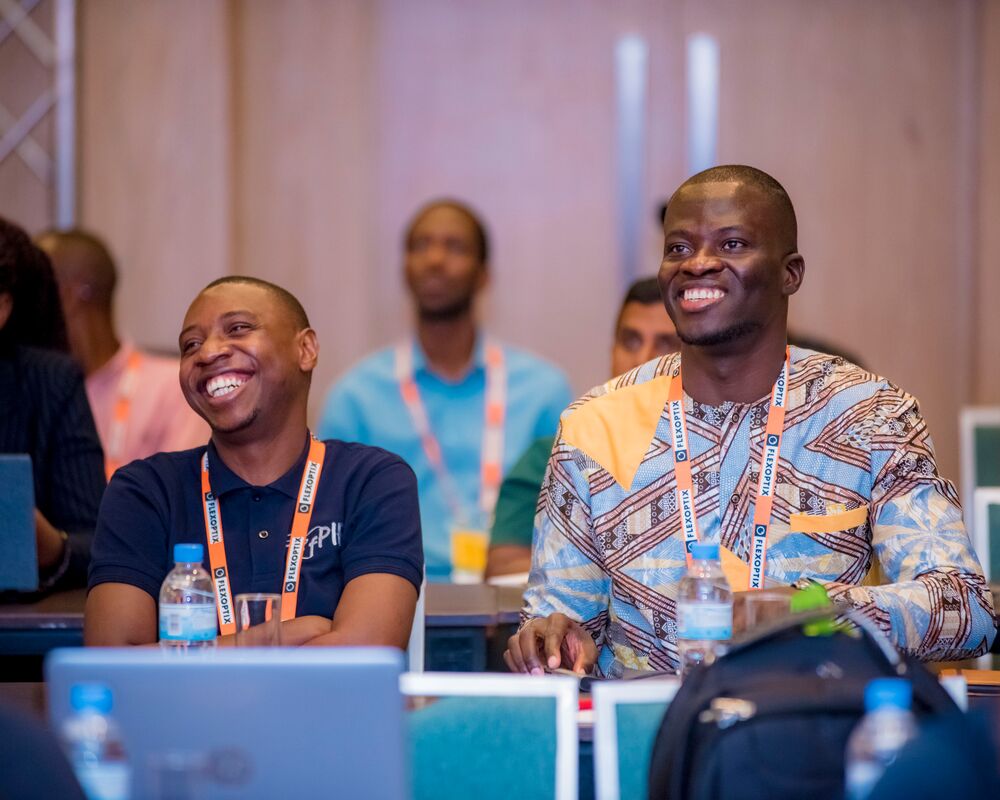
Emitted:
<point x="306" y="722"/>
<point x="18" y="555"/>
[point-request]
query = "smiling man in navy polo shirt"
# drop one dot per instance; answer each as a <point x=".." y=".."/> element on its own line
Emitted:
<point x="247" y="355"/>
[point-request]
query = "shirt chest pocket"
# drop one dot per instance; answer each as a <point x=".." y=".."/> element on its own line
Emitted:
<point x="828" y="523"/>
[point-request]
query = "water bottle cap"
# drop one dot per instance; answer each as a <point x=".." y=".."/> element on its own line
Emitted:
<point x="94" y="696"/>
<point x="891" y="692"/>
<point x="704" y="550"/>
<point x="188" y="553"/>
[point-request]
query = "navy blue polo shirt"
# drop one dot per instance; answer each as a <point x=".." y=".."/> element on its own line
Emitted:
<point x="365" y="519"/>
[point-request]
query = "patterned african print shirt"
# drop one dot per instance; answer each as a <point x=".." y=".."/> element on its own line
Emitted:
<point x="858" y="494"/>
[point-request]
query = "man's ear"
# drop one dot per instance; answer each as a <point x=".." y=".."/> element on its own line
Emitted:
<point x="793" y="269"/>
<point x="6" y="308"/>
<point x="308" y="345"/>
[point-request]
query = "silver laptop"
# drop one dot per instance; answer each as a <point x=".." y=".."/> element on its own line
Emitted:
<point x="18" y="555"/>
<point x="247" y="723"/>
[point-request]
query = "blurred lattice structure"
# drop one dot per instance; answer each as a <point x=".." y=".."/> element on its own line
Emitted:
<point x="37" y="112"/>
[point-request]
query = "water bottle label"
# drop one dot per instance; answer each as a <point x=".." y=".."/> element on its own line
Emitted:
<point x="186" y="622"/>
<point x="704" y="620"/>
<point x="104" y="781"/>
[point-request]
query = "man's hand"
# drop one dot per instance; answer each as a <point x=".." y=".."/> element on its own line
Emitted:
<point x="49" y="543"/>
<point x="551" y="642"/>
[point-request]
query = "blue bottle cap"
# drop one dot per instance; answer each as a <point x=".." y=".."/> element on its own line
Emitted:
<point x="94" y="696"/>
<point x="188" y="553"/>
<point x="704" y="551"/>
<point x="891" y="692"/>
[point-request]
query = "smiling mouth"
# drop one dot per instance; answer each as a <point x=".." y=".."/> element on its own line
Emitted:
<point x="699" y="298"/>
<point x="225" y="384"/>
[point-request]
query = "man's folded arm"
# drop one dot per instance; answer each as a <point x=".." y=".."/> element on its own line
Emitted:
<point x="119" y="615"/>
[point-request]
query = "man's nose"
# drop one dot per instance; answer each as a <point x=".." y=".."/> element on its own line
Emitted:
<point x="701" y="262"/>
<point x="213" y="348"/>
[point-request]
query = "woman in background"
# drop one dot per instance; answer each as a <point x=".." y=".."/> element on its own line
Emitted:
<point x="44" y="412"/>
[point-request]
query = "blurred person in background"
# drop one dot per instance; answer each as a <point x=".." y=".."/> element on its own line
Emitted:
<point x="134" y="395"/>
<point x="643" y="331"/>
<point x="455" y="403"/>
<point x="44" y="412"/>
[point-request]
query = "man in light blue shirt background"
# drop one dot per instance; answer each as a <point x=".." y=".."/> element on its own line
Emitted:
<point x="450" y="365"/>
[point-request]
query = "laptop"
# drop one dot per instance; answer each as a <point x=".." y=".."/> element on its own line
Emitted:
<point x="18" y="555"/>
<point x="247" y="723"/>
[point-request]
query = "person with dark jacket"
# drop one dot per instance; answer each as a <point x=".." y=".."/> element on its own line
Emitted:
<point x="44" y="412"/>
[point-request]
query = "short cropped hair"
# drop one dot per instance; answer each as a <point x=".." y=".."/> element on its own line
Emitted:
<point x="98" y="270"/>
<point x="645" y="291"/>
<point x="758" y="179"/>
<point x="478" y="226"/>
<point x="285" y="297"/>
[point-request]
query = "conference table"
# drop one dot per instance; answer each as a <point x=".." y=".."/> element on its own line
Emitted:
<point x="466" y="628"/>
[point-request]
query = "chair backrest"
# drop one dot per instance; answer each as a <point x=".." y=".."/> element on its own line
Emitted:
<point x="493" y="736"/>
<point x="979" y="438"/>
<point x="247" y="722"/>
<point x="415" y="647"/>
<point x="985" y="531"/>
<point x="627" y="716"/>
<point x="19" y="565"/>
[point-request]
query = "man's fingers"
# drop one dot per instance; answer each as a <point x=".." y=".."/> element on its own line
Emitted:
<point x="583" y="648"/>
<point x="528" y="641"/>
<point x="554" y="637"/>
<point x="512" y="656"/>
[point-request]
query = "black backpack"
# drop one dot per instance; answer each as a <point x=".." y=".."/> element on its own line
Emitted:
<point x="770" y="719"/>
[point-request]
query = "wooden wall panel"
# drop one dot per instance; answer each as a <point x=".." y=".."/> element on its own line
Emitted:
<point x="293" y="141"/>
<point x="853" y="106"/>
<point x="303" y="147"/>
<point x="155" y="133"/>
<point x="508" y="106"/>
<point x="987" y="343"/>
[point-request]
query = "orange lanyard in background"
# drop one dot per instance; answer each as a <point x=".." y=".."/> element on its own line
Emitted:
<point x="114" y="448"/>
<point x="768" y="470"/>
<point x="491" y="467"/>
<point x="296" y="542"/>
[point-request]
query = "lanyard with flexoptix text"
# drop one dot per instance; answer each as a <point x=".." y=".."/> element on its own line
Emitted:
<point x="491" y="468"/>
<point x="114" y="447"/>
<point x="768" y="471"/>
<point x="296" y="542"/>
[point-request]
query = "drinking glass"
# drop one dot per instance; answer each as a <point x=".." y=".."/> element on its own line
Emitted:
<point x="258" y="620"/>
<point x="761" y="607"/>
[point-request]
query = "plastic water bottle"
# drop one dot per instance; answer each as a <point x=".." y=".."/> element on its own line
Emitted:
<point x="887" y="725"/>
<point x="93" y="744"/>
<point x="704" y="609"/>
<point x="187" y="603"/>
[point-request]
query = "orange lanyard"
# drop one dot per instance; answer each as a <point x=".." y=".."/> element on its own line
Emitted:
<point x="768" y="470"/>
<point x="115" y="445"/>
<point x="491" y="467"/>
<point x="296" y="541"/>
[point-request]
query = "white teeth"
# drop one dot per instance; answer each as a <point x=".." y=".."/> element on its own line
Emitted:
<point x="703" y="294"/>
<point x="222" y="385"/>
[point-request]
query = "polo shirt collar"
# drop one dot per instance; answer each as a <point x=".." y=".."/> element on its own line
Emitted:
<point x="225" y="480"/>
<point x="420" y="364"/>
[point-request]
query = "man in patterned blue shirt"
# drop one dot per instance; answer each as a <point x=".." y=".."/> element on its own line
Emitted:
<point x="799" y="464"/>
